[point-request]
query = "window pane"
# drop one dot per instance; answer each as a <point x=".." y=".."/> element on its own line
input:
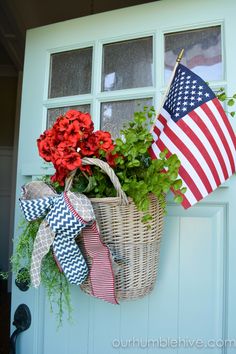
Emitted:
<point x="127" y="64"/>
<point x="203" y="52"/>
<point x="115" y="114"/>
<point x="70" y="73"/>
<point x="53" y="113"/>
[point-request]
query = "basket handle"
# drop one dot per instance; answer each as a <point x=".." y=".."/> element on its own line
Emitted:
<point x="108" y="170"/>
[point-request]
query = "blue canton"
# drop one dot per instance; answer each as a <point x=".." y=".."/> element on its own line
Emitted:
<point x="187" y="92"/>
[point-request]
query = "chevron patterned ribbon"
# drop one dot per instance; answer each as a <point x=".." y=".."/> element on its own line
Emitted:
<point x="66" y="215"/>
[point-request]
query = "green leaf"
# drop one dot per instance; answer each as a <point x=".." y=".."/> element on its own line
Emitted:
<point x="232" y="114"/>
<point x="230" y="102"/>
<point x="146" y="218"/>
<point x="119" y="142"/>
<point x="183" y="190"/>
<point x="178" y="198"/>
<point x="222" y="97"/>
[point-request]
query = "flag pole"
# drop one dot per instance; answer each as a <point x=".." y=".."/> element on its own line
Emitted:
<point x="178" y="60"/>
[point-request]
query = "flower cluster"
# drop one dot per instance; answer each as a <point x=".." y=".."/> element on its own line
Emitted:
<point x="71" y="138"/>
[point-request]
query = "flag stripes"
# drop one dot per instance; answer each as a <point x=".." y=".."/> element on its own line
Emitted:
<point x="205" y="145"/>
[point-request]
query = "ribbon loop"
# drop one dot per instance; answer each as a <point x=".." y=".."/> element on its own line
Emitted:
<point x="36" y="208"/>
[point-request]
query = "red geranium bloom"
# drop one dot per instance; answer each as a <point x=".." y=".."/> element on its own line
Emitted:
<point x="86" y="124"/>
<point x="63" y="124"/>
<point x="73" y="133"/>
<point x="60" y="175"/>
<point x="65" y="148"/>
<point x="104" y="140"/>
<point x="111" y="159"/>
<point x="89" y="146"/>
<point x="72" y="114"/>
<point x="44" y="149"/>
<point x="72" y="161"/>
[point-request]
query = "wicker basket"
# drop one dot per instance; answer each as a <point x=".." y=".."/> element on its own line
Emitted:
<point x="134" y="246"/>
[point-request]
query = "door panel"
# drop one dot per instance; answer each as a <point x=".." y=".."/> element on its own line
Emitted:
<point x="194" y="298"/>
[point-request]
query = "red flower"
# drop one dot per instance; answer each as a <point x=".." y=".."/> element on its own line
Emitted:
<point x="63" y="124"/>
<point x="73" y="133"/>
<point x="104" y="141"/>
<point x="89" y="146"/>
<point x="111" y="159"/>
<point x="65" y="148"/>
<point x="44" y="149"/>
<point x="60" y="175"/>
<point x="86" y="124"/>
<point x="72" y="161"/>
<point x="72" y="114"/>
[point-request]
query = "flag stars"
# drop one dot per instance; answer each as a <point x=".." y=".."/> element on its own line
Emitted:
<point x="199" y="99"/>
<point x="206" y="94"/>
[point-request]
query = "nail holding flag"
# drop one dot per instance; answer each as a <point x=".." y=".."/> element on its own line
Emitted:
<point x="193" y="125"/>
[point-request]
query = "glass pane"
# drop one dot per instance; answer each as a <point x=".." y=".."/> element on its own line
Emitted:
<point x="127" y="64"/>
<point x="115" y="114"/>
<point x="70" y="73"/>
<point x="53" y="113"/>
<point x="203" y="52"/>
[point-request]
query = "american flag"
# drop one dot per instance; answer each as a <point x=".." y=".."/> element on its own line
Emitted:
<point x="193" y="125"/>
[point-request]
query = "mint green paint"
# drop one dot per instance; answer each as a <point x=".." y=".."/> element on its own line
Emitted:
<point x="196" y="289"/>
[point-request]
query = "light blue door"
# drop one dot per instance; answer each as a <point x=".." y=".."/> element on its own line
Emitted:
<point x="106" y="64"/>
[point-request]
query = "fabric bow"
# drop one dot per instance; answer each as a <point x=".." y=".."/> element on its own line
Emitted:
<point x="66" y="214"/>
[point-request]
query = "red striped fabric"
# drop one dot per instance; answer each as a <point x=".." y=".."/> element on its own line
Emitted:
<point x="193" y="125"/>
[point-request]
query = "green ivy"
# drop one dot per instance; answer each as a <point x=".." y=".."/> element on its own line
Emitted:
<point x="229" y="100"/>
<point x="54" y="282"/>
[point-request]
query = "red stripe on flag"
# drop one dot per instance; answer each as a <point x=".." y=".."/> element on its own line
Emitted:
<point x="183" y="174"/>
<point x="197" y="142"/>
<point x="209" y="113"/>
<point x="189" y="156"/>
<point x="198" y="120"/>
<point x="157" y="131"/>
<point x="162" y="119"/>
<point x="152" y="154"/>
<point x="219" y="107"/>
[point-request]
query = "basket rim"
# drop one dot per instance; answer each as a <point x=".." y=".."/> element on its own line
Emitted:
<point x="117" y="199"/>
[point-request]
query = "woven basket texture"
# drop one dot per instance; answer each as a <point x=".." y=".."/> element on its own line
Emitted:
<point x="134" y="246"/>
